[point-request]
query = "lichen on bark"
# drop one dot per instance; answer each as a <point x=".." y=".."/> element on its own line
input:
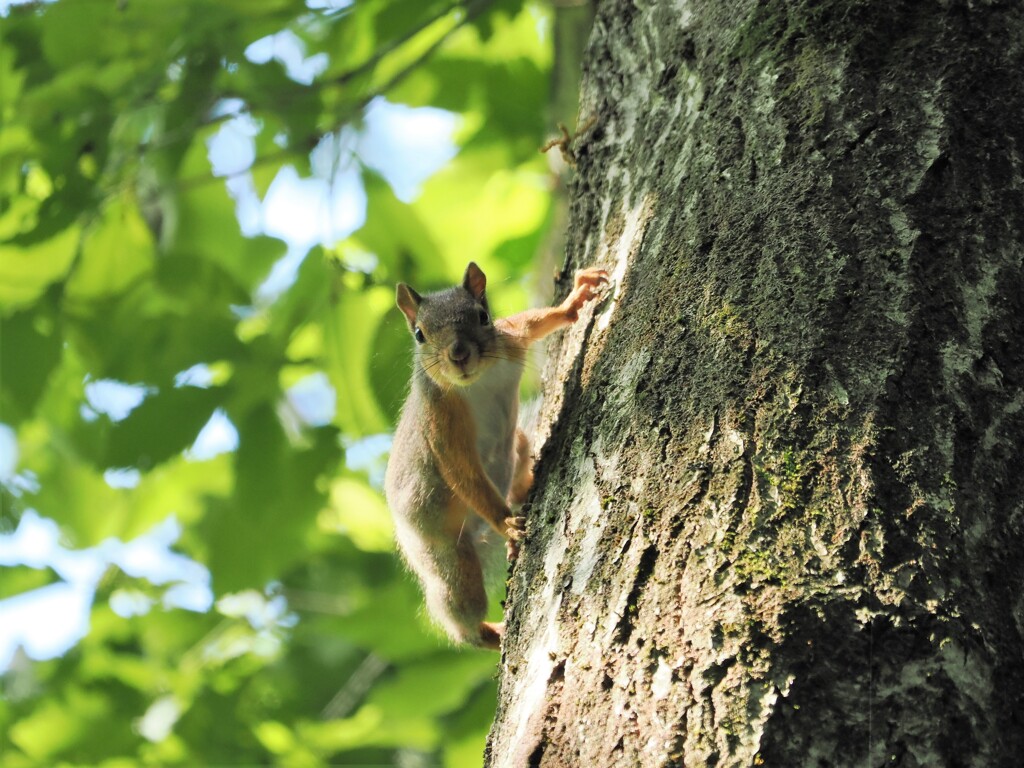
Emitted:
<point x="777" y="518"/>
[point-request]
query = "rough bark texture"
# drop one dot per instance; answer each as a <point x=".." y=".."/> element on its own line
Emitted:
<point x="778" y="517"/>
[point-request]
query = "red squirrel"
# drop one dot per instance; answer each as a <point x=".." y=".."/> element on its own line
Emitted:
<point x="458" y="456"/>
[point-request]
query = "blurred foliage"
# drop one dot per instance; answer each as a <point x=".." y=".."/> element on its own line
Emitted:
<point x="122" y="261"/>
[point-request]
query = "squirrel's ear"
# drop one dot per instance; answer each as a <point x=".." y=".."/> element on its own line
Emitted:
<point x="475" y="281"/>
<point x="408" y="301"/>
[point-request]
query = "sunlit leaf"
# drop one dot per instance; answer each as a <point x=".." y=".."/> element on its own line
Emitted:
<point x="85" y="723"/>
<point x="370" y="726"/>
<point x="26" y="270"/>
<point x="496" y="208"/>
<point x="467" y="729"/>
<point x="433" y="685"/>
<point x="78" y="498"/>
<point x="54" y="726"/>
<point x="352" y="38"/>
<point x="359" y="512"/>
<point x="180" y="487"/>
<point x="116" y="251"/>
<point x="18" y="579"/>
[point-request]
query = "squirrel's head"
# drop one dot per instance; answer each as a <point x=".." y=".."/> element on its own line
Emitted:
<point x="453" y="329"/>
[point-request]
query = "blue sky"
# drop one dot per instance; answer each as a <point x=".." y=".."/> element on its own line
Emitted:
<point x="405" y="146"/>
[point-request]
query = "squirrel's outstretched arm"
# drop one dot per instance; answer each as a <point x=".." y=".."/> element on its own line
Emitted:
<point x="534" y="324"/>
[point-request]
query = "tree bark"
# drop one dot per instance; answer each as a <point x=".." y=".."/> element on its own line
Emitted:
<point x="778" y="515"/>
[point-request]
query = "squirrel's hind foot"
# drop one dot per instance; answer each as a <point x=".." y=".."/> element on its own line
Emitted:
<point x="491" y="633"/>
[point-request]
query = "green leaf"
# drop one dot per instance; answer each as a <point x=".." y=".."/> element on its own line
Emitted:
<point x="370" y="726"/>
<point x="12" y="79"/>
<point x="395" y="603"/>
<point x="351" y="39"/>
<point x="155" y="331"/>
<point x="391" y="383"/>
<point x="394" y="232"/>
<point x="30" y="347"/>
<point x="264" y="527"/>
<point x="434" y="685"/>
<point x="398" y="19"/>
<point x="359" y="512"/>
<point x="130" y="669"/>
<point x="21" y="216"/>
<point x="308" y="295"/>
<point x="77" y="497"/>
<point x="350" y="324"/>
<point x="116" y="252"/>
<point x="259" y="7"/>
<point x="497" y="207"/>
<point x="76" y="32"/>
<point x="56" y="726"/>
<point x="19" y="579"/>
<point x="27" y="270"/>
<point x="276" y="737"/>
<point x="182" y="487"/>
<point x="207" y="228"/>
<point x="466" y="730"/>
<point x="164" y="425"/>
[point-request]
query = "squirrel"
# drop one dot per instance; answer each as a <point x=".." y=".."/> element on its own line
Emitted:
<point x="458" y="459"/>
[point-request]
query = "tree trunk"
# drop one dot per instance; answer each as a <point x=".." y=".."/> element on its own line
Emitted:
<point x="778" y="516"/>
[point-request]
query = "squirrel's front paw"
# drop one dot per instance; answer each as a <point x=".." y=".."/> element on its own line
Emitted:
<point x="515" y="532"/>
<point x="585" y="289"/>
<point x="591" y="276"/>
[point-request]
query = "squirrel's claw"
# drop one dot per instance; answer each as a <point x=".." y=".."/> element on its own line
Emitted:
<point x="515" y="530"/>
<point x="592" y="276"/>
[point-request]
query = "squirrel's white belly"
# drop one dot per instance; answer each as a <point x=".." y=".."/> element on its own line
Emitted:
<point x="494" y="402"/>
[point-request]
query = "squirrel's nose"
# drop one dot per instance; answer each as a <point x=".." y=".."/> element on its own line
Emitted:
<point x="458" y="352"/>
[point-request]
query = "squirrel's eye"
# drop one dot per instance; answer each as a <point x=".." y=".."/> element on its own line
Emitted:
<point x="484" y="318"/>
<point x="418" y="335"/>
